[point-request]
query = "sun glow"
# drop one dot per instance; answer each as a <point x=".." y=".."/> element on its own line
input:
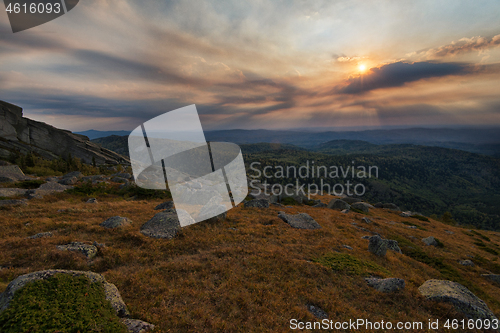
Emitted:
<point x="362" y="68"/>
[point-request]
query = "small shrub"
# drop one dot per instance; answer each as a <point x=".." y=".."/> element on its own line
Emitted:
<point x="420" y="218"/>
<point x="87" y="188"/>
<point x="142" y="193"/>
<point x="481" y="235"/>
<point x="289" y="201"/>
<point x="348" y="264"/>
<point x="62" y="303"/>
<point x="413" y="224"/>
<point x="30" y="184"/>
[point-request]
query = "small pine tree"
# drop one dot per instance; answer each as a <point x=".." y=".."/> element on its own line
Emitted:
<point x="93" y="162"/>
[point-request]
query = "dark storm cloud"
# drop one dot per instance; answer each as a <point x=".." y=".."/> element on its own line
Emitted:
<point x="399" y="73"/>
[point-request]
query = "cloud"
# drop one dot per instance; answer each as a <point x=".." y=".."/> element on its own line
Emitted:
<point x="463" y="45"/>
<point x="399" y="73"/>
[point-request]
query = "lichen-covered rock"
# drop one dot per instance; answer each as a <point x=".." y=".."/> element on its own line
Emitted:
<point x="111" y="292"/>
<point x="386" y="285"/>
<point x="462" y="298"/>
<point x="393" y="245"/>
<point x="338" y="204"/>
<point x="90" y="251"/>
<point x="366" y="220"/>
<point x="362" y="206"/>
<point x="41" y="235"/>
<point x="430" y="241"/>
<point x="377" y="246"/>
<point x="257" y="203"/>
<point x="466" y="262"/>
<point x="116" y="222"/>
<point x="299" y="221"/>
<point x="165" y="205"/>
<point x="317" y="311"/>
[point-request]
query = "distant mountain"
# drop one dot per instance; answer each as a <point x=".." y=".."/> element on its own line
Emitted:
<point x="93" y="134"/>
<point x="475" y="140"/>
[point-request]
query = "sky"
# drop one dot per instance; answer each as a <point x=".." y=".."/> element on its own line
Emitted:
<point x="114" y="64"/>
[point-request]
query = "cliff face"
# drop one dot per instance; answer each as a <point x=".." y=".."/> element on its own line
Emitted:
<point x="24" y="135"/>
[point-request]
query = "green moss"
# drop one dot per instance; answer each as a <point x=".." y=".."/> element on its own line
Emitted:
<point x="481" y="235"/>
<point x="484" y="247"/>
<point x="62" y="303"/>
<point x="348" y="264"/>
<point x="413" y="224"/>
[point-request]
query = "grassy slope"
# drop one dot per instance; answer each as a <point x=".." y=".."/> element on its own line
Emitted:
<point x="252" y="279"/>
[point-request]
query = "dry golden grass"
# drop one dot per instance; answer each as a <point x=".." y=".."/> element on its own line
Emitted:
<point x="249" y="273"/>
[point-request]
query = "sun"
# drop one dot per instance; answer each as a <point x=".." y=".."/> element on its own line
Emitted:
<point x="362" y="68"/>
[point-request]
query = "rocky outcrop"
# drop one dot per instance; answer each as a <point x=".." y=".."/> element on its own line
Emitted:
<point x="19" y="134"/>
<point x="462" y="298"/>
<point x="116" y="222"/>
<point x="163" y="225"/>
<point x="338" y="204"/>
<point x="90" y="251"/>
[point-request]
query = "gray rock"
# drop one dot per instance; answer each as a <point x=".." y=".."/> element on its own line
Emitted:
<point x="5" y="179"/>
<point x="299" y="221"/>
<point x="391" y="206"/>
<point x="449" y="232"/>
<point x="12" y="192"/>
<point x="123" y="175"/>
<point x="165" y="205"/>
<point x="351" y="200"/>
<point x="90" y="251"/>
<point x="116" y="222"/>
<point x="137" y="326"/>
<point x="430" y="241"/>
<point x="92" y="201"/>
<point x="379" y="205"/>
<point x="377" y="246"/>
<point x="258" y="203"/>
<point x="406" y="214"/>
<point x="25" y="135"/>
<point x="466" y="262"/>
<point x="46" y="189"/>
<point x="345" y="211"/>
<point x="386" y="285"/>
<point x="366" y="237"/>
<point x="41" y="235"/>
<point x="13" y="203"/>
<point x="338" y="204"/>
<point x="347" y="247"/>
<point x="462" y="298"/>
<point x="366" y="220"/>
<point x="73" y="174"/>
<point x="362" y="206"/>
<point x="162" y="225"/>
<point x="393" y="245"/>
<point x="320" y="205"/>
<point x="68" y="181"/>
<point x="317" y="311"/>
<point x="110" y="290"/>
<point x="11" y="172"/>
<point x="492" y="277"/>
<point x="119" y="180"/>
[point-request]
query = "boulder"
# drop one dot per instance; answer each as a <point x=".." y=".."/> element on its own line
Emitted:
<point x="351" y="200"/>
<point x="46" y="189"/>
<point x="362" y="206"/>
<point x="366" y="220"/>
<point x="163" y="225"/>
<point x="345" y="211"/>
<point x="90" y="251"/>
<point x="317" y="311"/>
<point x="73" y="174"/>
<point x="12" y="192"/>
<point x="12" y="172"/>
<point x="92" y="201"/>
<point x="338" y="204"/>
<point x="406" y="214"/>
<point x="137" y="326"/>
<point x="258" y="203"/>
<point x="377" y="246"/>
<point x="119" y="180"/>
<point x="430" y="241"/>
<point x="123" y="175"/>
<point x="68" y="181"/>
<point x="299" y="221"/>
<point x="492" y="277"/>
<point x="165" y="205"/>
<point x="379" y="205"/>
<point x="110" y="290"/>
<point x="466" y="262"/>
<point x="116" y="222"/>
<point x="462" y="298"/>
<point x="320" y="205"/>
<point x="390" y="206"/>
<point x="41" y="235"/>
<point x="386" y="285"/>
